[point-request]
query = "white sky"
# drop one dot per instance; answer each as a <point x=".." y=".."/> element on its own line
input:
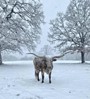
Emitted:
<point x="50" y="8"/>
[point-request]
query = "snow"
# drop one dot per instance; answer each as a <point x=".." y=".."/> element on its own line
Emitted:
<point x="70" y="80"/>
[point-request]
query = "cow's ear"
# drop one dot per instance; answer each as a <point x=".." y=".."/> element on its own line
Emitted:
<point x="54" y="59"/>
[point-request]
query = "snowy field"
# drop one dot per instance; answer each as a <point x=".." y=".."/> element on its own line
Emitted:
<point x="70" y="80"/>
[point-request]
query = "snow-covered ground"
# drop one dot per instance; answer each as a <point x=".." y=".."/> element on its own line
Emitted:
<point x="70" y="80"/>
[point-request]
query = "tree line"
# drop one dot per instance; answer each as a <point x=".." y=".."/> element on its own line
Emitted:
<point x="20" y="26"/>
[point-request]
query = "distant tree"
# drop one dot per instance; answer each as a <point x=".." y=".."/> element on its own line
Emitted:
<point x="71" y="31"/>
<point x="19" y="24"/>
<point x="46" y="50"/>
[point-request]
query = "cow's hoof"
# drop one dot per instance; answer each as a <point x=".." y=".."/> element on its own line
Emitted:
<point x="38" y="79"/>
<point x="42" y="81"/>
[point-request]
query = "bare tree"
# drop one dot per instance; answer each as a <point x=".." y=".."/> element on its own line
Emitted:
<point x="46" y="50"/>
<point x="19" y="24"/>
<point x="71" y="31"/>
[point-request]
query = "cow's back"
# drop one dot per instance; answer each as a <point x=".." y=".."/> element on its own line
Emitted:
<point x="39" y="63"/>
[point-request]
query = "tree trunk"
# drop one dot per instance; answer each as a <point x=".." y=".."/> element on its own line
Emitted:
<point x="0" y="56"/>
<point x="82" y="57"/>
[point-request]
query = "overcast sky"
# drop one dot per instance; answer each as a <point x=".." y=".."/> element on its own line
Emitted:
<point x="50" y="8"/>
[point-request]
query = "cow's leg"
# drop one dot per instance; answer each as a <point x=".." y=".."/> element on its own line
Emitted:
<point x="50" y="77"/>
<point x="42" y="73"/>
<point x="37" y="75"/>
